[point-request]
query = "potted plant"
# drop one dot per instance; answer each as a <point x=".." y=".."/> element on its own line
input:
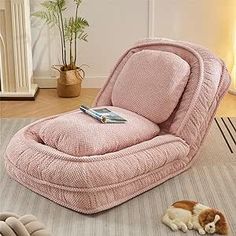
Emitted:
<point x="71" y="30"/>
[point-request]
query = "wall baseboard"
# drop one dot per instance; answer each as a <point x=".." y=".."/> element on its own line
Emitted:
<point x="89" y="82"/>
<point x="20" y="96"/>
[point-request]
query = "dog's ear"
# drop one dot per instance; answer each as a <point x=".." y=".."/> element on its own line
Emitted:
<point x="207" y="216"/>
<point x="221" y="225"/>
<point x="222" y="229"/>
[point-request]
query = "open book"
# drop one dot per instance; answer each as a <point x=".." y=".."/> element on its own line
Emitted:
<point x="103" y="115"/>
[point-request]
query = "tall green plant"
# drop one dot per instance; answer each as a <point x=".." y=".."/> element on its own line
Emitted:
<point x="70" y="29"/>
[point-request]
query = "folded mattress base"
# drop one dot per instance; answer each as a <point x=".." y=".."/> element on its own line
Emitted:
<point x="94" y="200"/>
<point x="92" y="184"/>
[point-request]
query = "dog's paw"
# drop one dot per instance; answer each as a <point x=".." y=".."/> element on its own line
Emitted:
<point x="190" y="225"/>
<point x="174" y="227"/>
<point x="201" y="231"/>
<point x="184" y="228"/>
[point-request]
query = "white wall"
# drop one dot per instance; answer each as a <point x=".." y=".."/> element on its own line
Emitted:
<point x="116" y="24"/>
<point x="207" y="22"/>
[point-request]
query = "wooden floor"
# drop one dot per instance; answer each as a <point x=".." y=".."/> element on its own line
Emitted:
<point x="48" y="103"/>
<point x="227" y="106"/>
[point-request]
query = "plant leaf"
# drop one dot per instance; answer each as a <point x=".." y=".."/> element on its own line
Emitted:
<point x="83" y="36"/>
<point x="49" y="17"/>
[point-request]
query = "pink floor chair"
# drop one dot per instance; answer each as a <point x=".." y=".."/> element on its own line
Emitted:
<point x="167" y="90"/>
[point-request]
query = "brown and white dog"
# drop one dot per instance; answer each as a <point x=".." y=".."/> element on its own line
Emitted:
<point x="186" y="215"/>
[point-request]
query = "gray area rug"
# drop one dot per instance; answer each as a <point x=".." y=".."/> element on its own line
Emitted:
<point x="211" y="181"/>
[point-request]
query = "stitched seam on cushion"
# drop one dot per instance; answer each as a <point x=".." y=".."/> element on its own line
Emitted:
<point x="74" y="189"/>
<point x="99" y="157"/>
<point x="219" y="88"/>
<point x="112" y="204"/>
<point x="178" y="130"/>
<point x="214" y="112"/>
<point x="77" y="158"/>
<point x="213" y="100"/>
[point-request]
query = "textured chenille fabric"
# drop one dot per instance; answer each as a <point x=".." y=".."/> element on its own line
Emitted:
<point x="80" y="135"/>
<point x="93" y="183"/>
<point x="151" y="84"/>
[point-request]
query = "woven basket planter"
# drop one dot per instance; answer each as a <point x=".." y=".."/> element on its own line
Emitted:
<point x="69" y="83"/>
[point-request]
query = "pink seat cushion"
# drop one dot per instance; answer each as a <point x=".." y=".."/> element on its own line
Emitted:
<point x="80" y="135"/>
<point x="151" y="84"/>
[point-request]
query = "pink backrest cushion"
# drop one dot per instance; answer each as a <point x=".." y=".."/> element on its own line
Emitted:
<point x="151" y="84"/>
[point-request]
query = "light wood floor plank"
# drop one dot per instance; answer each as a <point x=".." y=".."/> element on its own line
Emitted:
<point x="227" y="106"/>
<point x="48" y="103"/>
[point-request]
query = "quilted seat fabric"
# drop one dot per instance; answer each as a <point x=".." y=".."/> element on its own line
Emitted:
<point x="81" y="135"/>
<point x="93" y="183"/>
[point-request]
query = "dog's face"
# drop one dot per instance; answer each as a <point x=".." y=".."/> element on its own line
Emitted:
<point x="213" y="221"/>
<point x="210" y="228"/>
